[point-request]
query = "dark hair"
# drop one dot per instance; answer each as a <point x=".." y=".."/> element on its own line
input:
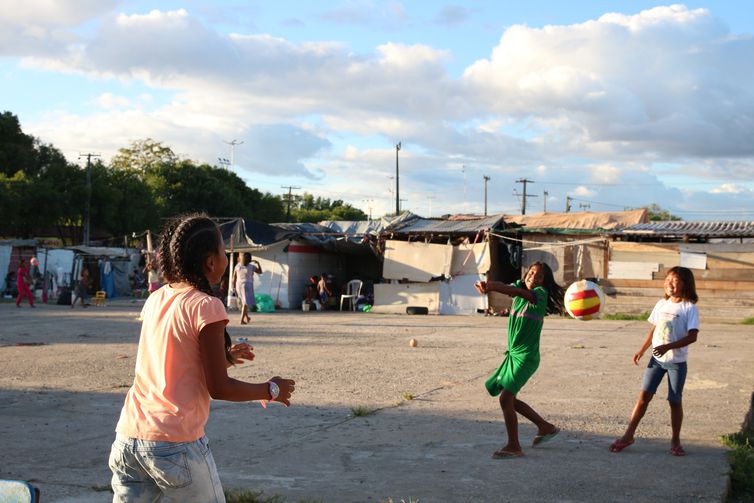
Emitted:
<point x="185" y="243"/>
<point x="689" y="284"/>
<point x="555" y="292"/>
<point x="246" y="258"/>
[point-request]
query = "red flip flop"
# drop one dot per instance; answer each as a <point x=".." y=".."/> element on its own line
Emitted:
<point x="619" y="445"/>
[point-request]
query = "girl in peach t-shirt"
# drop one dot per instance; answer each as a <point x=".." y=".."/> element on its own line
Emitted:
<point x="160" y="450"/>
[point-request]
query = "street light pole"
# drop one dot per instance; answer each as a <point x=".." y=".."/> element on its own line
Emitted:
<point x="486" y="179"/>
<point x="233" y="144"/>
<point x="397" y="184"/>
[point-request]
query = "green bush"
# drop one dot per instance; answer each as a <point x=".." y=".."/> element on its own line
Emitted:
<point x="741" y="459"/>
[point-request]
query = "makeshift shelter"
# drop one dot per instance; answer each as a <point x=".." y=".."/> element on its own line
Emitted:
<point x="574" y="245"/>
<point x="110" y="269"/>
<point x="434" y="263"/>
<point x="11" y="251"/>
<point x="290" y="254"/>
<point x="719" y="253"/>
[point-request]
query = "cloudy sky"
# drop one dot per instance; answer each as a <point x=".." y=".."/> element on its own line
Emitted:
<point x="615" y="104"/>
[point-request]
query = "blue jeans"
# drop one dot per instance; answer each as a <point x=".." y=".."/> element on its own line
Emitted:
<point x="145" y="470"/>
<point x="656" y="370"/>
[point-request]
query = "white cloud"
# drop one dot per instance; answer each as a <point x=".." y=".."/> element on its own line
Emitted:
<point x="583" y="192"/>
<point x="666" y="81"/>
<point x="728" y="188"/>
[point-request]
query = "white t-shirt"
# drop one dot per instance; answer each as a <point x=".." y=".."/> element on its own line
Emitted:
<point x="672" y="321"/>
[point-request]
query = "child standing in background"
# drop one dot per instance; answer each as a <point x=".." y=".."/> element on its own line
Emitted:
<point x="160" y="450"/>
<point x="675" y="325"/>
<point x="533" y="297"/>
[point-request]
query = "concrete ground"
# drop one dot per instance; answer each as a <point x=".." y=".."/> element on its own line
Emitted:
<point x="432" y="429"/>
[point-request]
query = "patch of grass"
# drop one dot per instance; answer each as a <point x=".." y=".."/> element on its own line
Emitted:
<point x="361" y="411"/>
<point x="247" y="496"/>
<point x="741" y="457"/>
<point x="626" y="316"/>
<point x="747" y="321"/>
<point x="408" y="396"/>
<point x="409" y="500"/>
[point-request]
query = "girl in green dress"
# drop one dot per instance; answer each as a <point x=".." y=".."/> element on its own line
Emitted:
<point x="533" y="297"/>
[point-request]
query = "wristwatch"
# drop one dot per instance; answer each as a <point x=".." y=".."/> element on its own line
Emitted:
<point x="274" y="390"/>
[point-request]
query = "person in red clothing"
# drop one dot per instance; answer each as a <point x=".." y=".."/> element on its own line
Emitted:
<point x="23" y="280"/>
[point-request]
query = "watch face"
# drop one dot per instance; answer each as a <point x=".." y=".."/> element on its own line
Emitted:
<point x="274" y="390"/>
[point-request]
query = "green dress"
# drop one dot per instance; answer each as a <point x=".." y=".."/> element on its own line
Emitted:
<point x="522" y="358"/>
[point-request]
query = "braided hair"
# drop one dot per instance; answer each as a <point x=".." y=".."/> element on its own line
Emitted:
<point x="555" y="292"/>
<point x="185" y="243"/>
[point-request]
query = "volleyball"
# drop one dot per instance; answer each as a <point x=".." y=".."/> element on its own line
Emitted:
<point x="584" y="300"/>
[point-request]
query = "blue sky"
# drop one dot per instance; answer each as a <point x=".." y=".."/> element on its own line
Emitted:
<point x="614" y="104"/>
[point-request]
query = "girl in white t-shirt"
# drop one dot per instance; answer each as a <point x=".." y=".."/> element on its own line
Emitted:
<point x="675" y="325"/>
<point x="160" y="450"/>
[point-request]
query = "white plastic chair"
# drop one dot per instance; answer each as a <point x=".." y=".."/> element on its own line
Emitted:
<point x="353" y="290"/>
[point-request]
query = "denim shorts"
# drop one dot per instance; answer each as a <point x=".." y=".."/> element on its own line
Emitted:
<point x="145" y="470"/>
<point x="656" y="370"/>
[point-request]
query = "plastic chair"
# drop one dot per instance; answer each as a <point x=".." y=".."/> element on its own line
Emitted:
<point x="99" y="298"/>
<point x="18" y="491"/>
<point x="353" y="290"/>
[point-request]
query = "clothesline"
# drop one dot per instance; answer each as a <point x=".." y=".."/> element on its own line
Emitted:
<point x="548" y="245"/>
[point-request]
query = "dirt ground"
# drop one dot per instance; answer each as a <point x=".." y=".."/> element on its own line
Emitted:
<point x="432" y="429"/>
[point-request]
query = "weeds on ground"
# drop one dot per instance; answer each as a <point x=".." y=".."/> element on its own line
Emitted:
<point x="741" y="457"/>
<point x="409" y="500"/>
<point x="747" y="321"/>
<point x="407" y="396"/>
<point x="361" y="411"/>
<point x="626" y="316"/>
<point x="247" y="496"/>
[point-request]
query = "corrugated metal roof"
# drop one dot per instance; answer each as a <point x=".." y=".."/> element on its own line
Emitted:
<point x="693" y="229"/>
<point x="440" y="226"/>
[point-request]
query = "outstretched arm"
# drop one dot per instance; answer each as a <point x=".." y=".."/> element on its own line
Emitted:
<point x="485" y="287"/>
<point x="223" y="387"/>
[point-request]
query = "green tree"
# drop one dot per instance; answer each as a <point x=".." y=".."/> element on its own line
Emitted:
<point x="143" y="154"/>
<point x="315" y="209"/>
<point x="657" y="214"/>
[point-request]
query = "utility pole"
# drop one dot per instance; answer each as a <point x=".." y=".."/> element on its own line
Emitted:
<point x="486" y="179"/>
<point x="463" y="170"/>
<point x="568" y="204"/>
<point x="429" y="199"/>
<point x="289" y="199"/>
<point x="233" y="144"/>
<point x="545" y="200"/>
<point x="397" y="185"/>
<point x="88" y="194"/>
<point x="369" y="206"/>
<point x="523" y="201"/>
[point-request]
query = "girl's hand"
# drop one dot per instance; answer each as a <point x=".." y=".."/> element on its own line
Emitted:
<point x="481" y="287"/>
<point x="241" y="352"/>
<point x="287" y="387"/>
<point x="660" y="350"/>
<point x="637" y="357"/>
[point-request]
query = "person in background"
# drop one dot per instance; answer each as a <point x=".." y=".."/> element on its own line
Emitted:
<point x="243" y="279"/>
<point x="82" y="289"/>
<point x="323" y="290"/>
<point x="23" y="280"/>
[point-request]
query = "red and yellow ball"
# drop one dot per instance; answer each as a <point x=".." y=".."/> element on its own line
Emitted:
<point x="584" y="300"/>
